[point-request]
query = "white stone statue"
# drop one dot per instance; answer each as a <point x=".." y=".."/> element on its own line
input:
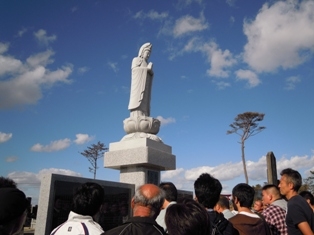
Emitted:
<point x="140" y="124"/>
<point x="141" y="83"/>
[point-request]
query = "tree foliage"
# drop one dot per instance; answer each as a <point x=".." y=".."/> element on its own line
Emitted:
<point x="308" y="184"/>
<point x="246" y="125"/>
<point x="93" y="153"/>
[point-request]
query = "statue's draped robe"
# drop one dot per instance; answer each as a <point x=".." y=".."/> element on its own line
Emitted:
<point x="141" y="86"/>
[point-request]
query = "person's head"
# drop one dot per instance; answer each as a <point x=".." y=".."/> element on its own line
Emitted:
<point x="145" y="50"/>
<point x="207" y="190"/>
<point x="13" y="210"/>
<point x="187" y="218"/>
<point x="170" y="190"/>
<point x="147" y="201"/>
<point x="270" y="193"/>
<point x="7" y="182"/>
<point x="222" y="204"/>
<point x="290" y="181"/>
<point x="242" y="195"/>
<point x="258" y="205"/>
<point x="308" y="197"/>
<point x="88" y="199"/>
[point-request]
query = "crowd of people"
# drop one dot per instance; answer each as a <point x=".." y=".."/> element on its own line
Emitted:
<point x="156" y="210"/>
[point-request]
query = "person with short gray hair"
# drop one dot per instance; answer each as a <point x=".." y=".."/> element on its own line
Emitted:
<point x="146" y="205"/>
<point x="299" y="218"/>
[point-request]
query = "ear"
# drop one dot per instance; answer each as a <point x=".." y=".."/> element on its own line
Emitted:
<point x="132" y="203"/>
<point x="235" y="200"/>
<point x="290" y="185"/>
<point x="217" y="207"/>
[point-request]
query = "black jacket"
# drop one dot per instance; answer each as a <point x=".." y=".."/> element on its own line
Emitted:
<point x="138" y="226"/>
<point x="220" y="225"/>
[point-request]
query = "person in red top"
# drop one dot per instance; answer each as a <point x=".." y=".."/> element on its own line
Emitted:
<point x="274" y="214"/>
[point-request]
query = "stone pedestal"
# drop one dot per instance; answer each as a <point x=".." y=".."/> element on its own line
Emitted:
<point x="139" y="160"/>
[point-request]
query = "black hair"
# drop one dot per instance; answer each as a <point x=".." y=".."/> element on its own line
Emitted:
<point x="187" y="218"/>
<point x="223" y="202"/>
<point x="293" y="177"/>
<point x="268" y="186"/>
<point x="88" y="199"/>
<point x="244" y="193"/>
<point x="207" y="190"/>
<point x="308" y="196"/>
<point x="7" y="182"/>
<point x="170" y="190"/>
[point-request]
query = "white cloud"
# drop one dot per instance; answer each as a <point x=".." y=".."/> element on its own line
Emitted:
<point x="56" y="145"/>
<point x="29" y="182"/>
<point x="5" y="137"/>
<point x="22" y="32"/>
<point x="231" y="19"/>
<point x="291" y="82"/>
<point x="113" y="66"/>
<point x="170" y="174"/>
<point x="166" y="121"/>
<point x="188" y="24"/>
<point x="83" y="138"/>
<point x="43" y="38"/>
<point x="281" y="35"/>
<point x="3" y="47"/>
<point x="153" y="15"/>
<point x="8" y="65"/>
<point x="186" y="3"/>
<point x="57" y="171"/>
<point x="74" y="9"/>
<point x="220" y="61"/>
<point x="249" y="76"/>
<point x="231" y="2"/>
<point x="222" y="85"/>
<point x="11" y="159"/>
<point x="24" y="81"/>
<point x="218" y="172"/>
<point x="184" y="178"/>
<point x="82" y="70"/>
<point x="40" y="59"/>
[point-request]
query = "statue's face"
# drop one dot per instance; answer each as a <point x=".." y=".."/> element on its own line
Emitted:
<point x="146" y="54"/>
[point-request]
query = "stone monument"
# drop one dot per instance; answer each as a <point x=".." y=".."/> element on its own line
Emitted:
<point x="141" y="154"/>
<point x="271" y="169"/>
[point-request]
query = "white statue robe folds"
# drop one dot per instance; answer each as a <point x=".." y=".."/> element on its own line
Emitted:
<point x="141" y="86"/>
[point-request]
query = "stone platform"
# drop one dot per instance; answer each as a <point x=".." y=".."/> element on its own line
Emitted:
<point x="140" y="160"/>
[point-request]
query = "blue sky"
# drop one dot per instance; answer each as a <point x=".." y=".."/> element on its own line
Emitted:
<point x="65" y="79"/>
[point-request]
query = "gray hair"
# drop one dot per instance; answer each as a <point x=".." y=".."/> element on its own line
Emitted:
<point x="155" y="202"/>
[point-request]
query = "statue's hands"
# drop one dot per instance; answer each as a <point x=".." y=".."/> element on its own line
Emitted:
<point x="150" y="68"/>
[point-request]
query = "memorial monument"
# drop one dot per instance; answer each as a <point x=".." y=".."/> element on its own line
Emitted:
<point x="272" y="177"/>
<point x="141" y="154"/>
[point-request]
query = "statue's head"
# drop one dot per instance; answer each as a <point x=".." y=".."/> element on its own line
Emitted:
<point x="145" y="47"/>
